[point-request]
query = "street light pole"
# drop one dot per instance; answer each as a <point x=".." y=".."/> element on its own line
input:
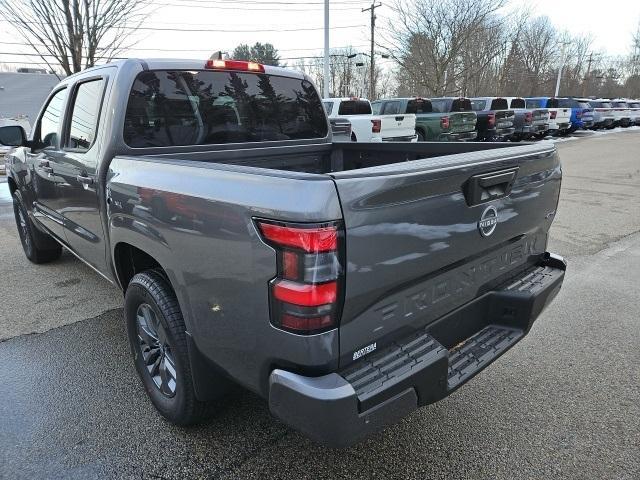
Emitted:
<point x="372" y="86"/>
<point x="326" y="48"/>
<point x="562" y="60"/>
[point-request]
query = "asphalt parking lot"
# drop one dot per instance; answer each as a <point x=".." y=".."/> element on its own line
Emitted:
<point x="563" y="403"/>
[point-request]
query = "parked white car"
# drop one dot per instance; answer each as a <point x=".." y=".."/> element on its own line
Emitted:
<point x="622" y="112"/>
<point x="603" y="115"/>
<point x="366" y="127"/>
<point x="634" y="105"/>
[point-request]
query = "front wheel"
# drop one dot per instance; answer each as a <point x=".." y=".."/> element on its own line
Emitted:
<point x="157" y="336"/>
<point x="38" y="246"/>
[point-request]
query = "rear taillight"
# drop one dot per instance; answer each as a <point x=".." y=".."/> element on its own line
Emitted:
<point x="528" y="117"/>
<point x="444" y="123"/>
<point x="552" y="115"/>
<point x="491" y="119"/>
<point x="376" y="126"/>
<point x="305" y="292"/>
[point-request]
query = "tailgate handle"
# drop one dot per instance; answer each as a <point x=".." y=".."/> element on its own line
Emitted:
<point x="399" y="119"/>
<point x="489" y="186"/>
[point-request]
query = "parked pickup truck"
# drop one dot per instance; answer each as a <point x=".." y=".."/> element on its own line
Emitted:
<point x="529" y="122"/>
<point x="340" y="130"/>
<point x="441" y="119"/>
<point x="581" y="113"/>
<point x="622" y="113"/>
<point x="366" y="127"/>
<point x="603" y="116"/>
<point x="559" y="117"/>
<point x="634" y="106"/>
<point x="495" y="120"/>
<point x="346" y="283"/>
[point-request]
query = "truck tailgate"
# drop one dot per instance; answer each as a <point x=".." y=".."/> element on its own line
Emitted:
<point x="399" y="125"/>
<point x="421" y="241"/>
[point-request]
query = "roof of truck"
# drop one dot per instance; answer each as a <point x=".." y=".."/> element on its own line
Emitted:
<point x="185" y="64"/>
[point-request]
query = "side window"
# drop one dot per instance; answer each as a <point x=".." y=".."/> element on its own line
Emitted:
<point x="47" y="131"/>
<point x="391" y="108"/>
<point x="84" y="116"/>
<point x="376" y="107"/>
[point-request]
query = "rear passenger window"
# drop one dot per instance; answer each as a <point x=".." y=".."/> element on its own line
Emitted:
<point x="478" y="105"/>
<point x="84" y="116"/>
<point x="391" y="108"/>
<point x="439" y="106"/>
<point x="375" y="107"/>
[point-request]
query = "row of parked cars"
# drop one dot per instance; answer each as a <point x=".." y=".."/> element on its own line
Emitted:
<point x="481" y="118"/>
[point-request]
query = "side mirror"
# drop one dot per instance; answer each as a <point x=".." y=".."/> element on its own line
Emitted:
<point x="13" y="136"/>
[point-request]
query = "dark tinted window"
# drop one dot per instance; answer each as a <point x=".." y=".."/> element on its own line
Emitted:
<point x="620" y="104"/>
<point x="50" y="121"/>
<point x="567" y="103"/>
<point x="499" y="104"/>
<point x="461" y="105"/>
<point x="168" y="108"/>
<point x="391" y="108"/>
<point x="533" y="103"/>
<point x="517" y="103"/>
<point x="553" y="103"/>
<point x="84" y="117"/>
<point x="419" y="105"/>
<point x="440" y="105"/>
<point x="354" y="107"/>
<point x="634" y="105"/>
<point x="600" y="104"/>
<point x="478" y="105"/>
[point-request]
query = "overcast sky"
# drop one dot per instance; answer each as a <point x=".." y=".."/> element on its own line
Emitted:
<point x="295" y="26"/>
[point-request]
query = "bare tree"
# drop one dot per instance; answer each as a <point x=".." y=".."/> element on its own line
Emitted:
<point x="442" y="45"/>
<point x="74" y="33"/>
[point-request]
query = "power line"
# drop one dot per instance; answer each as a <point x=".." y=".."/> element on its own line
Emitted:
<point x="214" y="29"/>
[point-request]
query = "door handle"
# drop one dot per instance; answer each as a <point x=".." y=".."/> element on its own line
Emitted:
<point x="85" y="179"/>
<point x="489" y="186"/>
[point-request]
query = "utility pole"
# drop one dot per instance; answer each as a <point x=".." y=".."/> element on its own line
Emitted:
<point x="326" y="49"/>
<point x="372" y="86"/>
<point x="586" y="78"/>
<point x="562" y="60"/>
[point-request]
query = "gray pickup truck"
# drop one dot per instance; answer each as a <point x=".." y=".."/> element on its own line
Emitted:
<point x="346" y="283"/>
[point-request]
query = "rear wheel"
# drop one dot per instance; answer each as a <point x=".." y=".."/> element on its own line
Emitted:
<point x="157" y="336"/>
<point x="38" y="246"/>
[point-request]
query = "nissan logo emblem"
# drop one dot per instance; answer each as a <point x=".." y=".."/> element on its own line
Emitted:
<point x="488" y="221"/>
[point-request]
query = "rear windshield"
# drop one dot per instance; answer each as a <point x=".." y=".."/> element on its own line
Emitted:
<point x="419" y="105"/>
<point x="517" y="103"/>
<point x="620" y="104"/>
<point x="533" y="103"/>
<point x="171" y="108"/>
<point x="634" y="105"/>
<point x="461" y="105"/>
<point x="478" y="105"/>
<point x="354" y="107"/>
<point x="553" y="103"/>
<point x="499" y="104"/>
<point x="601" y="104"/>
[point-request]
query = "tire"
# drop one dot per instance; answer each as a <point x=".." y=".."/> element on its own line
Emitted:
<point x="38" y="246"/>
<point x="157" y="336"/>
<point x="420" y="134"/>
